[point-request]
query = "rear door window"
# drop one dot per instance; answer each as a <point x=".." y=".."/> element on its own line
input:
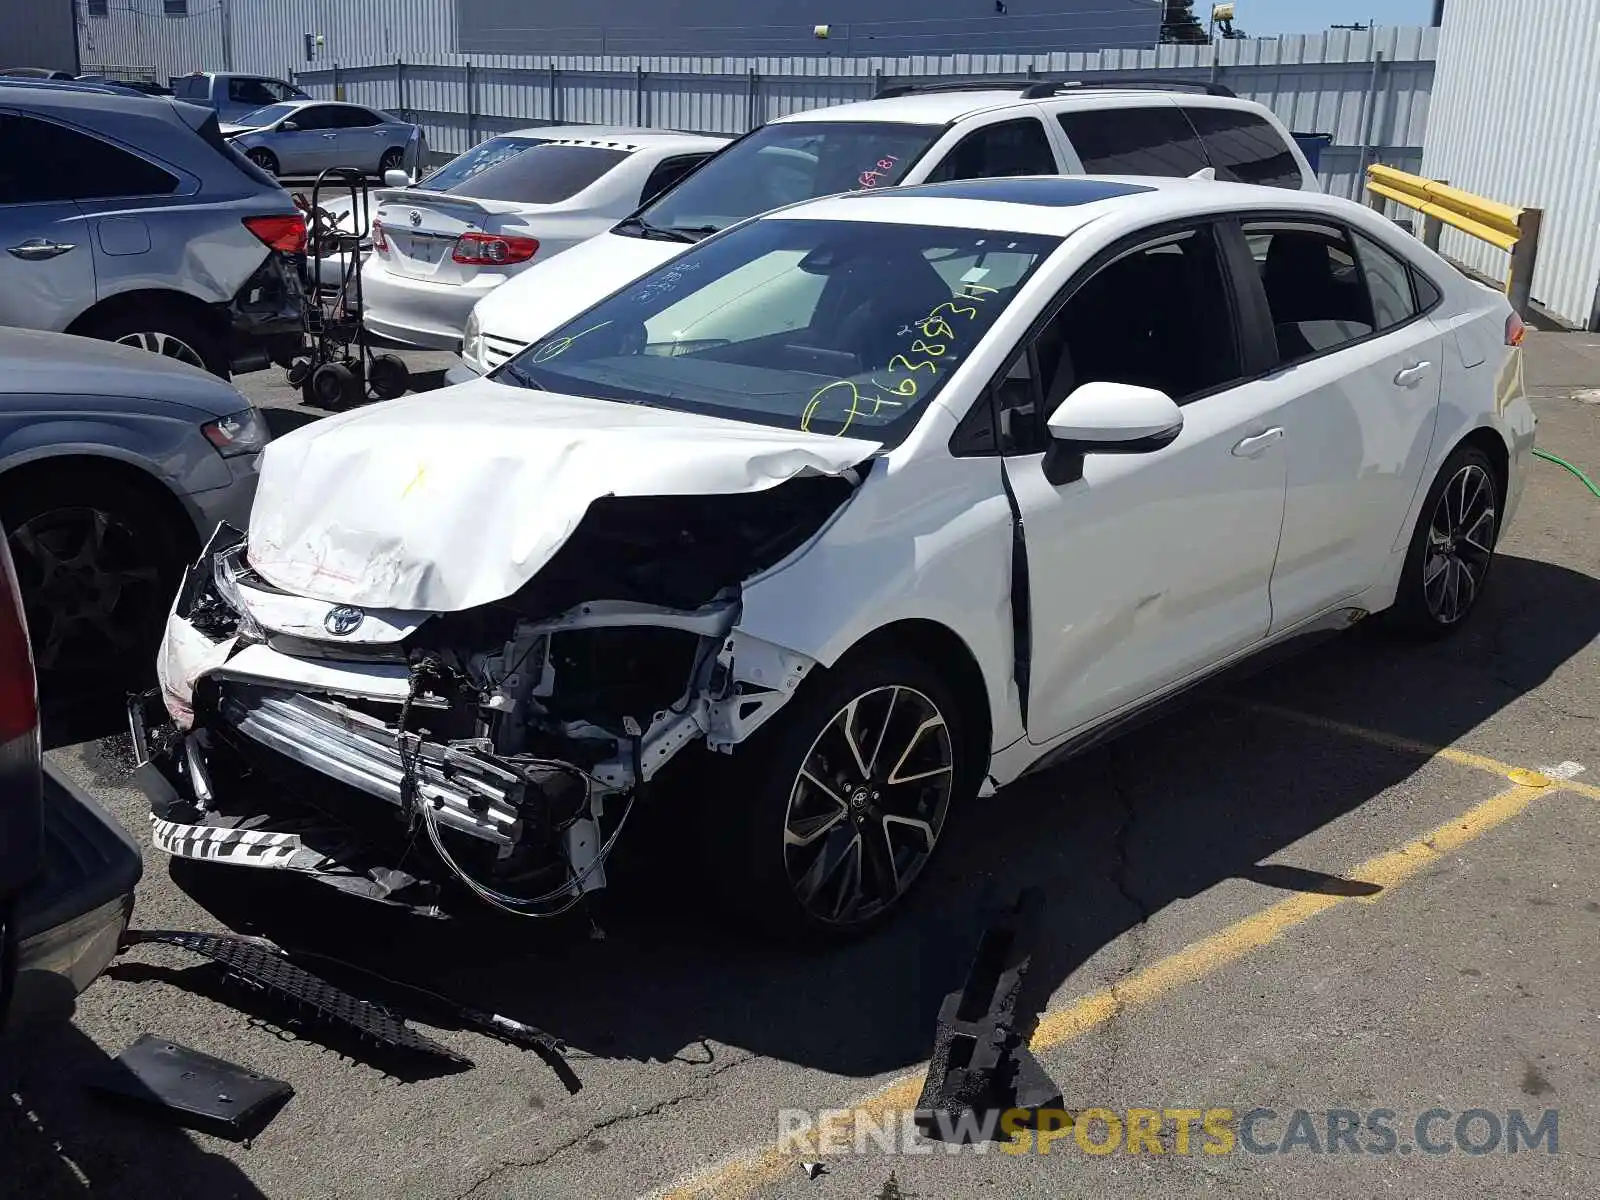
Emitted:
<point x="1245" y="148"/>
<point x="1315" y="290"/>
<point x="544" y="174"/>
<point x="253" y="91"/>
<point x="1019" y="147"/>
<point x="1147" y="140"/>
<point x="81" y="167"/>
<point x="355" y="118"/>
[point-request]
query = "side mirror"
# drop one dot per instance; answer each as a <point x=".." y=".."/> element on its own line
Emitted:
<point x="289" y="127"/>
<point x="1108" y="418"/>
<point x="396" y="179"/>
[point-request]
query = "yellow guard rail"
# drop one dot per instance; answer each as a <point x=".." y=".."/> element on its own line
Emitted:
<point x="1513" y="229"/>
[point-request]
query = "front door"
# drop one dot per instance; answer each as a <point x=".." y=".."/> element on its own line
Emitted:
<point x="1151" y="566"/>
<point x="1360" y="378"/>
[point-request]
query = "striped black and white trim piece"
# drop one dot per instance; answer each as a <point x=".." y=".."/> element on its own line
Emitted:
<point x="240" y="847"/>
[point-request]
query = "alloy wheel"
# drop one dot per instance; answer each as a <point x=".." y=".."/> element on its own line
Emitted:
<point x="164" y="344"/>
<point x="1460" y="545"/>
<point x="868" y="804"/>
<point x="87" y="591"/>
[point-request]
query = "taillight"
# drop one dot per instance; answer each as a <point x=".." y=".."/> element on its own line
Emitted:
<point x="287" y="234"/>
<point x="379" y="242"/>
<point x="493" y="250"/>
<point x="19" y="699"/>
<point x="1515" y="330"/>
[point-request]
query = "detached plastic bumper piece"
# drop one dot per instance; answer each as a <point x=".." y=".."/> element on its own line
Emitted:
<point x="260" y="968"/>
<point x="981" y="1066"/>
<point x="200" y="1092"/>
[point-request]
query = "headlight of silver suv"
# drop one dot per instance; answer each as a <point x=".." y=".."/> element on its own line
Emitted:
<point x="243" y="432"/>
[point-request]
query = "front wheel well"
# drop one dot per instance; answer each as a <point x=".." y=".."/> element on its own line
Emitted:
<point x="23" y="479"/>
<point x="944" y="650"/>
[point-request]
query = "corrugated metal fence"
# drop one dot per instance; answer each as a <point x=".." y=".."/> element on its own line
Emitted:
<point x="1369" y="91"/>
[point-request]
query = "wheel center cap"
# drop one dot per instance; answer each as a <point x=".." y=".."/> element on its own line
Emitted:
<point x="859" y="798"/>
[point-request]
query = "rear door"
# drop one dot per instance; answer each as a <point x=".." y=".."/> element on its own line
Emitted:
<point x="1360" y="368"/>
<point x="360" y="137"/>
<point x="47" y="273"/>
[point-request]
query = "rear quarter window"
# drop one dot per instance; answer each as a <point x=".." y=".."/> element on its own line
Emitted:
<point x="1147" y="140"/>
<point x="191" y="88"/>
<point x="544" y="174"/>
<point x="1245" y="148"/>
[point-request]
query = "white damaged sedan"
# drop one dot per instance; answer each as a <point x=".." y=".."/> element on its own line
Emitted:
<point x="850" y="514"/>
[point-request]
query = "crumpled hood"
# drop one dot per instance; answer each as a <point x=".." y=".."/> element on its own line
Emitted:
<point x="455" y="498"/>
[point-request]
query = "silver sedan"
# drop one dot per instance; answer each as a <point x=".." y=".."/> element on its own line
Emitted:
<point x="306" y="137"/>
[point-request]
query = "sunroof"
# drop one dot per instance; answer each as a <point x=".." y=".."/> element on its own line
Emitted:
<point x="1053" y="191"/>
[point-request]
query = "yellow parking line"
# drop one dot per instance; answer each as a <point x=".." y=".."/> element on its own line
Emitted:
<point x="1463" y="758"/>
<point x="741" y="1177"/>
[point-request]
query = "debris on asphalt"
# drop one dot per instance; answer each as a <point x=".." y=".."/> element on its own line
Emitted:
<point x="196" y="1090"/>
<point x="269" y="972"/>
<point x="981" y="1064"/>
<point x="812" y="1169"/>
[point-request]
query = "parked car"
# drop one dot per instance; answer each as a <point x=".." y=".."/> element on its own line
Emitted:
<point x="908" y="135"/>
<point x="147" y="229"/>
<point x="115" y="465"/>
<point x="143" y="86"/>
<point x="443" y="244"/>
<point x="67" y="870"/>
<point x="306" y="137"/>
<point x="887" y="498"/>
<point x="233" y="95"/>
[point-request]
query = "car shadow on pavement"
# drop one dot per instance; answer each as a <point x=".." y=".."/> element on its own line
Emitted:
<point x="58" y="1141"/>
<point x="1199" y="797"/>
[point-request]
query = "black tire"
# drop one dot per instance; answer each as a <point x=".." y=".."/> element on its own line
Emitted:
<point x="394" y="158"/>
<point x="331" y="385"/>
<point x="167" y="330"/>
<point x="98" y="562"/>
<point x="263" y="158"/>
<point x="1452" y="548"/>
<point x="747" y="820"/>
<point x="387" y="377"/>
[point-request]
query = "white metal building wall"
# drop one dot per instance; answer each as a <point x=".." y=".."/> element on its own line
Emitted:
<point x="1516" y="118"/>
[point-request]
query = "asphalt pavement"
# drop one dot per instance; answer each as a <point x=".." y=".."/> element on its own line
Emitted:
<point x="1330" y="930"/>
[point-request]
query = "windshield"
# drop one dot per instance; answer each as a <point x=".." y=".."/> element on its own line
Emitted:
<point x="477" y="160"/>
<point x="786" y="162"/>
<point x="839" y="327"/>
<point x="544" y="174"/>
<point x="269" y="115"/>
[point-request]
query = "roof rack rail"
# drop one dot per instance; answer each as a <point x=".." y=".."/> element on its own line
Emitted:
<point x="1054" y="87"/>
<point x="1038" y="89"/>
<point x="954" y="85"/>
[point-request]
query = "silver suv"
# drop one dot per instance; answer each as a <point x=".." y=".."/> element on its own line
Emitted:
<point x="131" y="219"/>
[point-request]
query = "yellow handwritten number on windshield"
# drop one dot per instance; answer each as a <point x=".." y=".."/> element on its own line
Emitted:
<point x="561" y="345"/>
<point x="851" y="412"/>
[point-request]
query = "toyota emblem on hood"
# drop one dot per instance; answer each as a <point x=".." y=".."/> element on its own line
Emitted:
<point x="343" y="620"/>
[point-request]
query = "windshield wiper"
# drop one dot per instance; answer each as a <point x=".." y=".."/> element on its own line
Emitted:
<point x="523" y="379"/>
<point x="695" y="232"/>
<point x="639" y="227"/>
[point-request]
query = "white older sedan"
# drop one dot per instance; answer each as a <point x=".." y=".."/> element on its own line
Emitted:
<point x="888" y="498"/>
<point x="441" y="245"/>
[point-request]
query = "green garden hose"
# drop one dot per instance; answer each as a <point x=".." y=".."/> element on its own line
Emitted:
<point x="1561" y="462"/>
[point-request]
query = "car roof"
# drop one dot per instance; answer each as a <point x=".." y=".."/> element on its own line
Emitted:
<point x="1059" y="205"/>
<point x="942" y="107"/>
<point x="623" y="138"/>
